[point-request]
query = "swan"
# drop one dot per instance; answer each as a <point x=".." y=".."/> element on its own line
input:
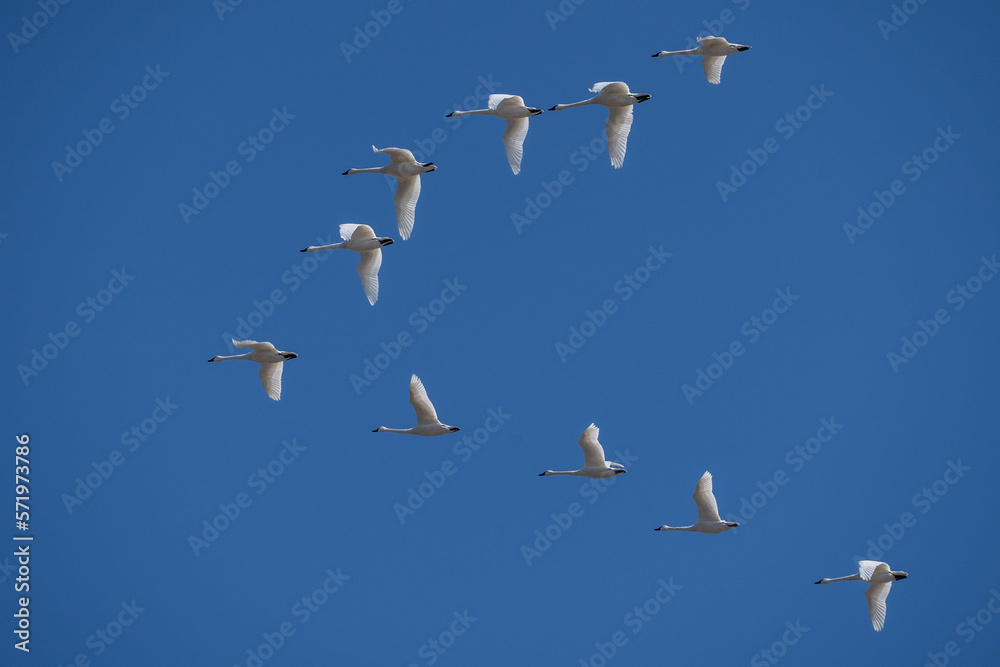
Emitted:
<point x="616" y="96"/>
<point x="406" y="170"/>
<point x="511" y="108"/>
<point x="709" y="520"/>
<point x="715" y="50"/>
<point x="270" y="359"/>
<point x="879" y="578"/>
<point x="594" y="464"/>
<point x="362" y="240"/>
<point x="427" y="419"/>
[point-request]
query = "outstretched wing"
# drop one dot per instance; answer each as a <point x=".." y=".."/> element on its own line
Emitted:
<point x="513" y="141"/>
<point x="618" y="126"/>
<point x="593" y="452"/>
<point x="713" y="68"/>
<point x="708" y="508"/>
<point x="270" y="377"/>
<point x="405" y="199"/>
<point x="397" y="154"/>
<point x="371" y="261"/>
<point x="254" y="345"/>
<point x="426" y="414"/>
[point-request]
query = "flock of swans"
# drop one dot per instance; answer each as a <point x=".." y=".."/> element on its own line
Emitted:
<point x="404" y="167"/>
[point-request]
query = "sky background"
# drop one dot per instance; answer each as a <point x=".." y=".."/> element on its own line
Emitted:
<point x="474" y="546"/>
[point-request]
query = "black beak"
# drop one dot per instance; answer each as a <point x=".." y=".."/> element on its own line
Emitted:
<point x="642" y="97"/>
<point x="345" y="173"/>
<point x="743" y="48"/>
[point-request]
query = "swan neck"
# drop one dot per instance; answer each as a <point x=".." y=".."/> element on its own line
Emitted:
<point x="366" y="170"/>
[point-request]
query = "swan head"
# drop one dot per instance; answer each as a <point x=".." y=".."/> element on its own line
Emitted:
<point x="545" y="474"/>
<point x="428" y="166"/>
<point x="533" y="111"/>
<point x="664" y="527"/>
<point x="385" y="240"/>
<point x="379" y="429"/>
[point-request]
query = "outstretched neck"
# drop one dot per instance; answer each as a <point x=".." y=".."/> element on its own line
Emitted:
<point x="560" y="107"/>
<point x="559" y="472"/>
<point x="384" y="429"/>
<point x="687" y="528"/>
<point x="366" y="170"/>
<point x="850" y="577"/>
<point x="314" y="248"/>
<point x="459" y="112"/>
<point x="235" y="356"/>
<point x="687" y="52"/>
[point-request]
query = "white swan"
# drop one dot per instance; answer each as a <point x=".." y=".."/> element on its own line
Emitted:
<point x="715" y="50"/>
<point x="406" y="170"/>
<point x="879" y="578"/>
<point x="616" y="96"/>
<point x="594" y="464"/>
<point x="427" y="420"/>
<point x="709" y="520"/>
<point x="270" y="359"/>
<point x="362" y="240"/>
<point x="511" y="108"/>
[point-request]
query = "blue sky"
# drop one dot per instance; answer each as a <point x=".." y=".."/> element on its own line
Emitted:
<point x="790" y="283"/>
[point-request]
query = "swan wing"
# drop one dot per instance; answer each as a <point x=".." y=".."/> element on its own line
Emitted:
<point x="593" y="453"/>
<point x="513" y="141"/>
<point x="405" y="199"/>
<point x="270" y="377"/>
<point x="868" y="568"/>
<point x="708" y="508"/>
<point x="618" y="126"/>
<point x="426" y="414"/>
<point x="350" y="231"/>
<point x="371" y="262"/>
<point x="610" y="87"/>
<point x="254" y="345"/>
<point x="396" y="154"/>
<point x="876" y="594"/>
<point x="713" y="68"/>
<point x="712" y="40"/>
<point x="497" y="99"/>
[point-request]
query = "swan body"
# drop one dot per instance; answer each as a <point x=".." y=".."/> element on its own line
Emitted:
<point x="428" y="423"/>
<point x="406" y="170"/>
<point x="616" y="96"/>
<point x="594" y="464"/>
<point x="879" y="578"/>
<point x="709" y="520"/>
<point x="512" y="109"/>
<point x="270" y="359"/>
<point x="362" y="240"/>
<point x="715" y="50"/>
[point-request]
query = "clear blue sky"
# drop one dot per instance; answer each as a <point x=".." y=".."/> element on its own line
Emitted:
<point x="790" y="283"/>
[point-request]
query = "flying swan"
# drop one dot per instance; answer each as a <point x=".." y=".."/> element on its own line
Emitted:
<point x="709" y="520"/>
<point x="616" y="96"/>
<point x="362" y="240"/>
<point x="594" y="464"/>
<point x="512" y="109"/>
<point x="879" y="578"/>
<point x="427" y="420"/>
<point x="270" y="359"/>
<point x="406" y="170"/>
<point x="715" y="50"/>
